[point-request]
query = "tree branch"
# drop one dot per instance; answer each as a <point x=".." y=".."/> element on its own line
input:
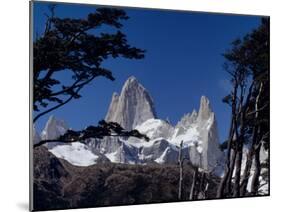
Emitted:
<point x="40" y="143"/>
<point x="73" y="86"/>
<point x="56" y="107"/>
<point x="256" y="111"/>
<point x="103" y="129"/>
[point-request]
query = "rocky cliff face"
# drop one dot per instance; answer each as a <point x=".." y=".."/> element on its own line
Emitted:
<point x="53" y="129"/>
<point x="132" y="107"/>
<point x="209" y="135"/>
<point x="35" y="136"/>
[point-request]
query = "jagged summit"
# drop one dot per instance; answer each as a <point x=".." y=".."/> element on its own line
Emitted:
<point x="130" y="81"/>
<point x="53" y="129"/>
<point x="205" y="109"/>
<point x="132" y="107"/>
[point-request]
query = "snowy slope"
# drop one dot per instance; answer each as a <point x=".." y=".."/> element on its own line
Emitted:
<point x="76" y="153"/>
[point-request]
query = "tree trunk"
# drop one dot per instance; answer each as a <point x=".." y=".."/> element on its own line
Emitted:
<point x="192" y="189"/>
<point x="247" y="171"/>
<point x="240" y="142"/>
<point x="229" y="179"/>
<point x="236" y="189"/>
<point x="180" y="161"/>
<point x="255" y="149"/>
<point x="246" y="174"/>
<point x="255" y="180"/>
<point x="202" y="181"/>
<point x="241" y="139"/>
<point x="221" y="188"/>
<point x="202" y="188"/>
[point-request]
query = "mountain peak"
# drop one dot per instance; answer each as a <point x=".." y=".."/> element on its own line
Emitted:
<point x="204" y="100"/>
<point x="132" y="107"/>
<point x="54" y="128"/>
<point x="131" y="79"/>
<point x="132" y="83"/>
<point x="205" y="108"/>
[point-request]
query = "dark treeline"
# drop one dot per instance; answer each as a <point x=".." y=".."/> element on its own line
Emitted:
<point x="247" y="63"/>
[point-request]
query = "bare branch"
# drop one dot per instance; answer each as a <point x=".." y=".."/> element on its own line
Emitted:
<point x="259" y="110"/>
<point x="57" y="106"/>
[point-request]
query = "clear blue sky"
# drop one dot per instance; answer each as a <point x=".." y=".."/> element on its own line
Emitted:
<point x="183" y="62"/>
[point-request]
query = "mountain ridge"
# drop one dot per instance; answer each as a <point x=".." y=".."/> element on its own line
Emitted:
<point x="133" y="108"/>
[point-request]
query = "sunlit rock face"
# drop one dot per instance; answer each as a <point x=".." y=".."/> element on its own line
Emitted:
<point x="132" y="107"/>
<point x="53" y="129"/>
<point x="35" y="136"/>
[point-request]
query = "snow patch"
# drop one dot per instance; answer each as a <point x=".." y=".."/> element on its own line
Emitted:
<point x="161" y="158"/>
<point x="76" y="153"/>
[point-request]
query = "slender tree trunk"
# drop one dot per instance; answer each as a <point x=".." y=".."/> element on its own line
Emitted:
<point x="220" y="192"/>
<point x="202" y="187"/>
<point x="236" y="190"/>
<point x="206" y="189"/>
<point x="221" y="188"/>
<point x="247" y="171"/>
<point x="202" y="181"/>
<point x="246" y="174"/>
<point x="256" y="146"/>
<point x="192" y="189"/>
<point x="229" y="179"/>
<point x="240" y="142"/>
<point x="180" y="161"/>
<point x="241" y="139"/>
<point x="256" y="175"/>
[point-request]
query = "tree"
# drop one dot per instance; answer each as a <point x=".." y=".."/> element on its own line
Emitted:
<point x="248" y="65"/>
<point x="77" y="49"/>
<point x="258" y="113"/>
<point x="103" y="129"/>
<point x="200" y="178"/>
<point x="69" y="45"/>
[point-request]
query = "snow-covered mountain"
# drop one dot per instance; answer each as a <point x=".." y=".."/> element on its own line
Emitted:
<point x="198" y="131"/>
<point x="134" y="109"/>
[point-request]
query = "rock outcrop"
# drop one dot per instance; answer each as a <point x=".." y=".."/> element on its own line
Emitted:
<point x="35" y="136"/>
<point x="132" y="107"/>
<point x="53" y="129"/>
